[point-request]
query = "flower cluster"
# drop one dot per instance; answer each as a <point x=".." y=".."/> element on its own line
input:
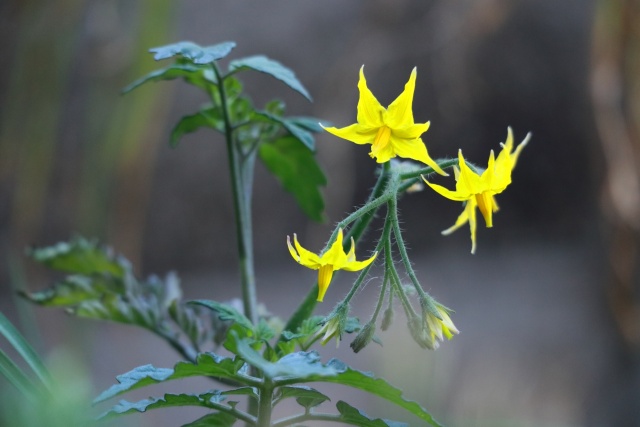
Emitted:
<point x="392" y="132"/>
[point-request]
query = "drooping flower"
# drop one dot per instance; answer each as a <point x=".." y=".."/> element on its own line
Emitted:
<point x="439" y="328"/>
<point x="391" y="131"/>
<point x="478" y="189"/>
<point x="333" y="259"/>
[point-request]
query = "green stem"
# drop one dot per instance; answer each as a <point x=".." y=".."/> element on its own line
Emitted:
<point x="395" y="279"/>
<point x="309" y="303"/>
<point x="447" y="163"/>
<point x="266" y="401"/>
<point x="242" y="208"/>
<point x="393" y="208"/>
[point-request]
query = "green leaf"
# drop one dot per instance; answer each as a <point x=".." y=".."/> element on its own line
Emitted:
<point x="207" y="117"/>
<point x="298" y="172"/>
<point x="219" y="419"/>
<point x="356" y="417"/>
<point x="192" y="74"/>
<point x="76" y="289"/>
<point x="197" y="54"/>
<point x="207" y="364"/>
<point x="81" y="256"/>
<point x="169" y="400"/>
<point x="311" y="124"/>
<point x="297" y="131"/>
<point x="226" y="312"/>
<point x="297" y="366"/>
<point x="372" y="385"/>
<point x="24" y="349"/>
<point x="273" y="68"/>
<point x="305" y="396"/>
<point x="15" y="375"/>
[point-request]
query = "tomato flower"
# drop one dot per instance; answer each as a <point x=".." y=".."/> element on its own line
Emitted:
<point x="392" y="131"/>
<point x="333" y="259"/>
<point x="478" y="189"/>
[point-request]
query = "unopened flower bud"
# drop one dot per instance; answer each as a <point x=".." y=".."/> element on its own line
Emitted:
<point x="364" y="337"/>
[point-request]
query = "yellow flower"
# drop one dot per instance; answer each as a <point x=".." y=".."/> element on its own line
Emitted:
<point x="391" y="131"/>
<point x="334" y="259"/>
<point x="478" y="190"/>
<point x="440" y="328"/>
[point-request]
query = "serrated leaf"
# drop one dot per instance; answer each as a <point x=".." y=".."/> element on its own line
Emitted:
<point x="298" y="365"/>
<point x="298" y="172"/>
<point x="80" y="256"/>
<point x="273" y="68"/>
<point x="370" y="384"/>
<point x="207" y="117"/>
<point x="357" y="417"/>
<point x="297" y="131"/>
<point x="169" y="400"/>
<point x="219" y="419"/>
<point x="226" y="312"/>
<point x="75" y="289"/>
<point x="192" y="74"/>
<point x="194" y="52"/>
<point x="306" y="397"/>
<point x="207" y="364"/>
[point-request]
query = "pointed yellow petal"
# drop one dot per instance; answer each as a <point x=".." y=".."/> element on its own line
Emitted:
<point x="325" y="273"/>
<point x="306" y="258"/>
<point x="416" y="150"/>
<point x="462" y="220"/>
<point x="399" y="113"/>
<point x="359" y="265"/>
<point x="412" y="131"/>
<point x="468" y="180"/>
<point x="452" y="195"/>
<point x="356" y="133"/>
<point x="369" y="109"/>
<point x="292" y="251"/>
<point x="335" y="255"/>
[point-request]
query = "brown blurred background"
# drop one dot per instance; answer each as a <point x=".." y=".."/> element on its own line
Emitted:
<point x="548" y="308"/>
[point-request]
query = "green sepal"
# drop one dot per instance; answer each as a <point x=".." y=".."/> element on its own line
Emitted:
<point x="306" y="397"/>
<point x="299" y="173"/>
<point x="226" y="312"/>
<point x="273" y="68"/>
<point x="356" y="417"/>
<point x="207" y="365"/>
<point x="194" y="52"/>
<point x="209" y="116"/>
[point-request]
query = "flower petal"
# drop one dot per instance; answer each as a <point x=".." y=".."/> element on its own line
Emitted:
<point x="399" y="114"/>
<point x="452" y="195"/>
<point x="335" y="255"/>
<point x="305" y="257"/>
<point x="359" y="265"/>
<point x="370" y="111"/>
<point x="416" y="150"/>
<point x="355" y="133"/>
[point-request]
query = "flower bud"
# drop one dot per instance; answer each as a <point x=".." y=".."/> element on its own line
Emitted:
<point x="364" y="337"/>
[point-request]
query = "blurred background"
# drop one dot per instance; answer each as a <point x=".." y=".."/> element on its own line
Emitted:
<point x="547" y="308"/>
